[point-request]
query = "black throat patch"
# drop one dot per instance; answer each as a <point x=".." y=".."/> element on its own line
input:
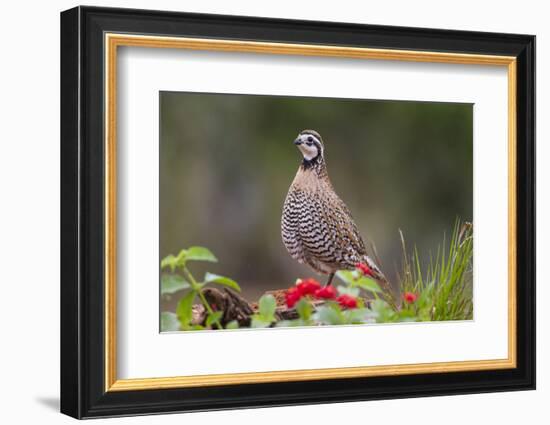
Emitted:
<point x="315" y="165"/>
<point x="311" y="163"/>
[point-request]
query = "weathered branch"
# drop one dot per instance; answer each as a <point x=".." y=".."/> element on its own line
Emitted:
<point x="237" y="308"/>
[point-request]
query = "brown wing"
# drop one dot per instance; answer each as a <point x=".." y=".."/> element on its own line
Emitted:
<point x="329" y="234"/>
<point x="348" y="235"/>
<point x="293" y="211"/>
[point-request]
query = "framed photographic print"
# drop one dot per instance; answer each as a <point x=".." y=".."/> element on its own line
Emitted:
<point x="261" y="212"/>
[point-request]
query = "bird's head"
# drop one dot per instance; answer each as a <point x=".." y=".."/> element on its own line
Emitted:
<point x="310" y="144"/>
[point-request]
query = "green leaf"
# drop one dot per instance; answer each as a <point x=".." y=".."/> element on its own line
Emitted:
<point x="185" y="308"/>
<point x="232" y="325"/>
<point x="359" y="315"/>
<point x="221" y="280"/>
<point x="347" y="276"/>
<point x="368" y="285"/>
<point x="267" y="306"/>
<point x="181" y="258"/>
<point x="199" y="253"/>
<point x="409" y="319"/>
<point x="329" y="315"/>
<point x="169" y="322"/>
<point x="346" y="290"/>
<point x="213" y="318"/>
<point x="196" y="328"/>
<point x="168" y="261"/>
<point x="383" y="312"/>
<point x="258" y="322"/>
<point x="291" y="323"/>
<point x="304" y="309"/>
<point x="170" y="283"/>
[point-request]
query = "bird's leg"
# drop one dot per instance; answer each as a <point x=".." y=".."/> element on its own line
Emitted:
<point x="331" y="276"/>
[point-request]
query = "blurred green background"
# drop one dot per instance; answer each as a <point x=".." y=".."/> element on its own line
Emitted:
<point x="227" y="161"/>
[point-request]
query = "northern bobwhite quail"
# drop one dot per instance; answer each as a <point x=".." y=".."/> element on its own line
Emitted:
<point x="317" y="227"/>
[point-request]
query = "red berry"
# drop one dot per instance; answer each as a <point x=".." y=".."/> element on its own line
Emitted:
<point x="308" y="286"/>
<point x="409" y="297"/>
<point x="366" y="270"/>
<point x="347" y="301"/>
<point x="327" y="293"/>
<point x="292" y="296"/>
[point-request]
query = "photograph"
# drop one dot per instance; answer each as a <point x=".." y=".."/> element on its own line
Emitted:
<point x="286" y="211"/>
<point x="262" y="211"/>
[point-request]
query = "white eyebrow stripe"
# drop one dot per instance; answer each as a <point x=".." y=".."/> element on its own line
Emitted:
<point x="315" y="139"/>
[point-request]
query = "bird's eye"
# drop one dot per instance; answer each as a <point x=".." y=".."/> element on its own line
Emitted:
<point x="310" y="139"/>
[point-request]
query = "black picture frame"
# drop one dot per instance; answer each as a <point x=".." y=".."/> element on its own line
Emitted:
<point x="83" y="392"/>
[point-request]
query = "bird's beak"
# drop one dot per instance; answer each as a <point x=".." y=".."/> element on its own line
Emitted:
<point x="298" y="141"/>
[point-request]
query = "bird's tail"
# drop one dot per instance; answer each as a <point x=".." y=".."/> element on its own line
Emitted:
<point x="375" y="271"/>
<point x="369" y="268"/>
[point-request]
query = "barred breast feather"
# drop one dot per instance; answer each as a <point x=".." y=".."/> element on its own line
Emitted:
<point x="317" y="227"/>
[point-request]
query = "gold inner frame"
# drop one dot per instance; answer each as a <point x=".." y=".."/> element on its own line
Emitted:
<point x="113" y="41"/>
